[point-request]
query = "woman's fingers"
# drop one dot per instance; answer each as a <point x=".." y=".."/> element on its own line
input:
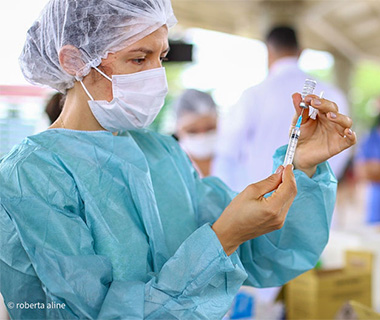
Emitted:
<point x="341" y="119"/>
<point x="346" y="140"/>
<point x="330" y="109"/>
<point x="296" y="102"/>
<point x="287" y="190"/>
<point x="350" y="137"/>
<point x="322" y="105"/>
<point x="344" y="122"/>
<point x="259" y="189"/>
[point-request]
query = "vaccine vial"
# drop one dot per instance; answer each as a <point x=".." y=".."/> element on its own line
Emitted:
<point x="308" y="88"/>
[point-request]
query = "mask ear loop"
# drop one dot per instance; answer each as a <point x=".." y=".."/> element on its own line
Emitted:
<point x="84" y="87"/>
<point x="103" y="74"/>
<point x="107" y="77"/>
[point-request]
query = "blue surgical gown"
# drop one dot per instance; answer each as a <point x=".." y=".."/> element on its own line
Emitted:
<point x="119" y="227"/>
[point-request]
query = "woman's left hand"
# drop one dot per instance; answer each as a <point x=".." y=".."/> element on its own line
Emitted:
<point x="322" y="138"/>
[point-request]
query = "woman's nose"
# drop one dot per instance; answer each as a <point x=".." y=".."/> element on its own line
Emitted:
<point x="157" y="63"/>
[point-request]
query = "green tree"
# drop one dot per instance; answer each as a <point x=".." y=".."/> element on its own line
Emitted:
<point x="365" y="88"/>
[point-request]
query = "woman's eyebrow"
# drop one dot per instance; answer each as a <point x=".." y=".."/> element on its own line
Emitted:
<point x="146" y="50"/>
<point x="142" y="49"/>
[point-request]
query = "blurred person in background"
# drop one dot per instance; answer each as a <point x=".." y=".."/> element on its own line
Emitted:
<point x="53" y="109"/>
<point x="367" y="168"/>
<point x="196" y="120"/>
<point x="259" y="122"/>
<point x="54" y="106"/>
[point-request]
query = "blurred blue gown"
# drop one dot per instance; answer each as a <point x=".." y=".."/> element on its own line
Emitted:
<point x="119" y="227"/>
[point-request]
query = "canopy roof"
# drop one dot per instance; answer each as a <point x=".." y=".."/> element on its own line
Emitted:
<point x="349" y="28"/>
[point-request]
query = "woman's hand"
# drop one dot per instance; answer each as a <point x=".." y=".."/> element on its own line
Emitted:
<point x="250" y="215"/>
<point x="322" y="138"/>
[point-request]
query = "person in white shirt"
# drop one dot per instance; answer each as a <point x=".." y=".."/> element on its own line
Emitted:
<point x="260" y="121"/>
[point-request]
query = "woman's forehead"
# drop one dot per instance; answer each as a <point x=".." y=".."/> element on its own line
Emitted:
<point x="157" y="40"/>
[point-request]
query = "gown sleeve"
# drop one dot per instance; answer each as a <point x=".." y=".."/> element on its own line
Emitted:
<point x="48" y="262"/>
<point x="277" y="257"/>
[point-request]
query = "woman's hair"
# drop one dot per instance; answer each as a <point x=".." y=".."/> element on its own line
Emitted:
<point x="194" y="102"/>
<point x="54" y="106"/>
<point x="282" y="38"/>
<point x="92" y="28"/>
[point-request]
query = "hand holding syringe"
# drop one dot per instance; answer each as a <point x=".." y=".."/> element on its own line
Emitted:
<point x="308" y="88"/>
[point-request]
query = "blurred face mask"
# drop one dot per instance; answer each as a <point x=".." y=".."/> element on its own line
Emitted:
<point x="200" y="145"/>
<point x="137" y="100"/>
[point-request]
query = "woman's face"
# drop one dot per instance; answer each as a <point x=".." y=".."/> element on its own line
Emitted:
<point x="197" y="124"/>
<point x="147" y="53"/>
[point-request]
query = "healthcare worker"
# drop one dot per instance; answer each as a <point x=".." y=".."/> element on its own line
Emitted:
<point x="196" y="120"/>
<point x="103" y="219"/>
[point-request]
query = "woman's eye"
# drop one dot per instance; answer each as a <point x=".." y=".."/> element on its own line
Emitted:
<point x="138" y="61"/>
<point x="164" y="59"/>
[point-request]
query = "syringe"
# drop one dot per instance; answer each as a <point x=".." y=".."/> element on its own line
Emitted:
<point x="293" y="140"/>
<point x="308" y="88"/>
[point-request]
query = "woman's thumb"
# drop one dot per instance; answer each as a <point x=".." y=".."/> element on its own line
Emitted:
<point x="269" y="184"/>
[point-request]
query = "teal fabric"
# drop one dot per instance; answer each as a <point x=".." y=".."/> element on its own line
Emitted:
<point x="119" y="227"/>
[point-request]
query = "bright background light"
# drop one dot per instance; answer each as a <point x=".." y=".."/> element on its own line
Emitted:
<point x="16" y="17"/>
<point x="225" y="64"/>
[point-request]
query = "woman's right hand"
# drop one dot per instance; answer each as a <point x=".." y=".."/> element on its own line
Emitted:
<point x="250" y="215"/>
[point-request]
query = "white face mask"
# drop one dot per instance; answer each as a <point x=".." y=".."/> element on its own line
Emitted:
<point x="200" y="145"/>
<point x="137" y="100"/>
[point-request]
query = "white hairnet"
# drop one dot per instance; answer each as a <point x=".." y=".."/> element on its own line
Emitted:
<point x="195" y="102"/>
<point x="94" y="27"/>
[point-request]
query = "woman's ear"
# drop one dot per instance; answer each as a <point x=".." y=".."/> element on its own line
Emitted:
<point x="70" y="60"/>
